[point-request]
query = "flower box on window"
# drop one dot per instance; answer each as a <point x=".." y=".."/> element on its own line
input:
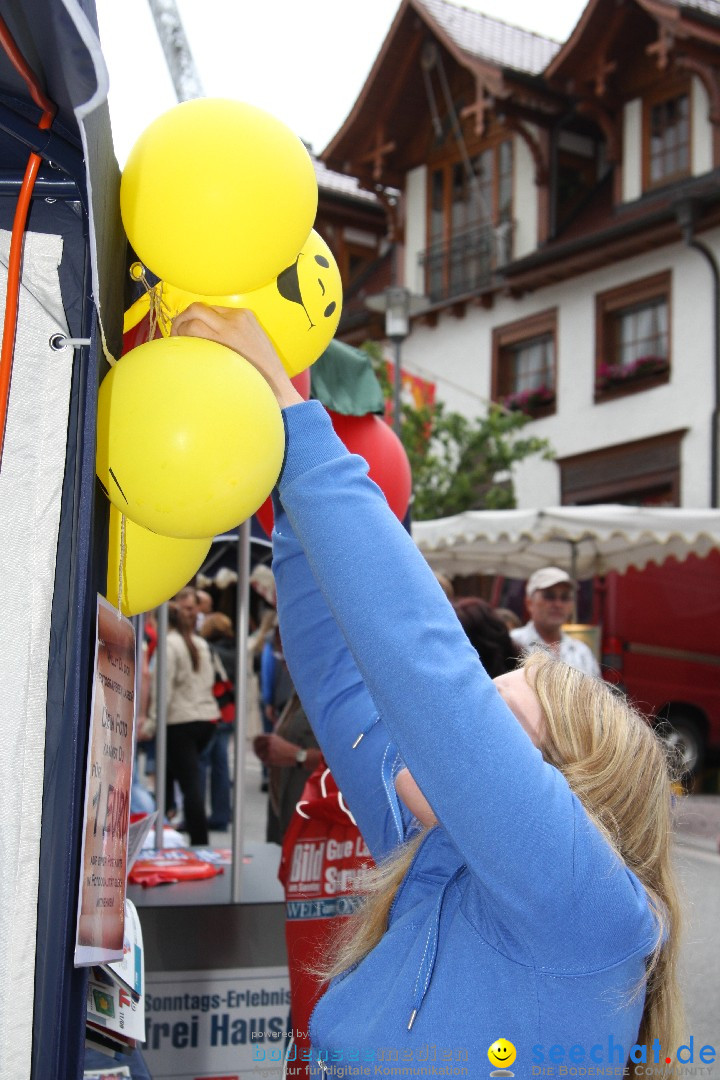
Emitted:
<point x="617" y="375"/>
<point x="536" y="402"/>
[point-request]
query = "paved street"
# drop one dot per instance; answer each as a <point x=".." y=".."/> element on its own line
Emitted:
<point x="700" y="872"/>
<point x="698" y="832"/>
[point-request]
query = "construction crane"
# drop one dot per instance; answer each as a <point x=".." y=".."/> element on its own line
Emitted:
<point x="178" y="56"/>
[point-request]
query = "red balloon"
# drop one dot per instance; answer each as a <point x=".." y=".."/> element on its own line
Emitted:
<point x="371" y="438"/>
<point x="265" y="515"/>
<point x="301" y="382"/>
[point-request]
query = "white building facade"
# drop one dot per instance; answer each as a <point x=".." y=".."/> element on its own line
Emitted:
<point x="560" y="213"/>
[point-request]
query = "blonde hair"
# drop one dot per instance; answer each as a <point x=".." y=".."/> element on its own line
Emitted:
<point x="619" y="769"/>
<point x="216" y="625"/>
<point x="622" y="773"/>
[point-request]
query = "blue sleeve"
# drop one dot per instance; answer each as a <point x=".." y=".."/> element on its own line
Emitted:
<point x="510" y="814"/>
<point x="267" y="673"/>
<point x="354" y="741"/>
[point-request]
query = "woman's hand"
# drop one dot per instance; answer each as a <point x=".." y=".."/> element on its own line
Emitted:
<point x="238" y="329"/>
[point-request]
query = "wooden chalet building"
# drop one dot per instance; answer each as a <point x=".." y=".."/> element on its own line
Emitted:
<point x="560" y="214"/>
<point x="352" y="221"/>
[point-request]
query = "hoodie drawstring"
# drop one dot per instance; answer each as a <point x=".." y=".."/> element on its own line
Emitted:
<point x="373" y="721"/>
<point x="427" y="963"/>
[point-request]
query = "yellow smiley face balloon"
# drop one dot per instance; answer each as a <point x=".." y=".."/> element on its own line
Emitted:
<point x="299" y="309"/>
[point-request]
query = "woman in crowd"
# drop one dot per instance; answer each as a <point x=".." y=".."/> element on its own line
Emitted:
<point x="487" y="633"/>
<point x="192" y="712"/>
<point x="529" y="906"/>
<point x="217" y="629"/>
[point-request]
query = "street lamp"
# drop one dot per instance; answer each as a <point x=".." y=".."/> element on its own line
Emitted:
<point x="397" y="327"/>
<point x="398" y="304"/>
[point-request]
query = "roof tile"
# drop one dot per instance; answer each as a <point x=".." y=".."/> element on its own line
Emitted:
<point x="711" y="7"/>
<point x="496" y="41"/>
<point x="338" y="182"/>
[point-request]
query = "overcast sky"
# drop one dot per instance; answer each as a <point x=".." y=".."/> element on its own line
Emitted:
<point x="304" y="61"/>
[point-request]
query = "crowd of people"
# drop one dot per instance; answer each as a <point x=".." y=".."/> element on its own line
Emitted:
<point x="201" y="672"/>
<point x="200" y="710"/>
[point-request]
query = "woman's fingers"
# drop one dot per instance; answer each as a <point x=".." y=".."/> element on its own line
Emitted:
<point x="239" y="329"/>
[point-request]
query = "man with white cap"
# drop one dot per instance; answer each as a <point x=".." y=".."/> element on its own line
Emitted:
<point x="549" y="600"/>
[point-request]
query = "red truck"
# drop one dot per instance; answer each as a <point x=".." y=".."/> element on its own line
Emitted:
<point x="661" y="642"/>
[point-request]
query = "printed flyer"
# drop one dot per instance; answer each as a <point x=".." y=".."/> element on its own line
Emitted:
<point x="101" y="905"/>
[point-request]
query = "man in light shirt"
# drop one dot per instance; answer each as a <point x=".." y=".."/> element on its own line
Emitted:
<point x="549" y="597"/>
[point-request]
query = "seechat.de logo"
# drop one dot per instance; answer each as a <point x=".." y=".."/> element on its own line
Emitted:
<point x="579" y="1060"/>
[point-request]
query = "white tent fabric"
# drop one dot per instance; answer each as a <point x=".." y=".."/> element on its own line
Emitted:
<point x="585" y="540"/>
<point x="30" y="496"/>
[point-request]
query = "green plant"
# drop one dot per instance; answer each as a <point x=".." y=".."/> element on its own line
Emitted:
<point x="460" y="463"/>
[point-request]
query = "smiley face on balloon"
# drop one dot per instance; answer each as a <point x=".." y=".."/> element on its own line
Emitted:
<point x="312" y="281"/>
<point x="299" y="310"/>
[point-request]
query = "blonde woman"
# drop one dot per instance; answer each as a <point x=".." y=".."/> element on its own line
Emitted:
<point x="528" y="916"/>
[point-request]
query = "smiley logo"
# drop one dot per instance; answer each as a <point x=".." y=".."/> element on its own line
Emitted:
<point x="502" y="1053"/>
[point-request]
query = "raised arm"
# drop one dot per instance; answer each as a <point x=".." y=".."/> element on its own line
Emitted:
<point x="354" y="741"/>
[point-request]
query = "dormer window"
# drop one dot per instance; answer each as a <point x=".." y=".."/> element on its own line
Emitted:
<point x="666" y="136"/>
<point x="469" y="221"/>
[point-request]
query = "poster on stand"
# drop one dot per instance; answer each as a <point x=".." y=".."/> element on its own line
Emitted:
<point x="103" y="863"/>
<point x="230" y="1024"/>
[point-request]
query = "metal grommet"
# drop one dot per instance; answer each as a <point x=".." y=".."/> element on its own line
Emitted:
<point x="60" y="341"/>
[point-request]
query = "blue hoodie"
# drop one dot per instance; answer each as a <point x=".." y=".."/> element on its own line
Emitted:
<point x="516" y="921"/>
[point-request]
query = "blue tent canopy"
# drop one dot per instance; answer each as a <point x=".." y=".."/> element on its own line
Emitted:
<point x="75" y="197"/>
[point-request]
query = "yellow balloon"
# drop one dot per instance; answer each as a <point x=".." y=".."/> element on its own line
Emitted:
<point x="136" y="312"/>
<point x="190" y="437"/>
<point x="299" y="310"/>
<point x="154" y="568"/>
<point x="217" y="196"/>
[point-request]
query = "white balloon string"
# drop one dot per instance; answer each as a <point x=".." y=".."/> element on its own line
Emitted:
<point x="152" y="314"/>
<point x="121" y="564"/>
<point x="159" y="312"/>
